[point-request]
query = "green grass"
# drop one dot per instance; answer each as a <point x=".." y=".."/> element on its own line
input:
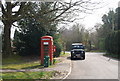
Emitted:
<point x="27" y="65"/>
<point x="111" y="55"/>
<point x="66" y="54"/>
<point x="12" y="59"/>
<point x="97" y="51"/>
<point x="55" y="61"/>
<point x="18" y="62"/>
<point x="29" y="75"/>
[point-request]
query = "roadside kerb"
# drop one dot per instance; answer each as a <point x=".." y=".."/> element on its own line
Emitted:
<point x="69" y="71"/>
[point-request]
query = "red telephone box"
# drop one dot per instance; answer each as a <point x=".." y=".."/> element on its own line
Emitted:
<point x="47" y="48"/>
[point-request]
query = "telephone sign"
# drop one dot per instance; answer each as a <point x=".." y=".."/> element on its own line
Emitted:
<point x="45" y="39"/>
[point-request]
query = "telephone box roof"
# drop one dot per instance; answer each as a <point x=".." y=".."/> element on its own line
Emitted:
<point x="46" y="37"/>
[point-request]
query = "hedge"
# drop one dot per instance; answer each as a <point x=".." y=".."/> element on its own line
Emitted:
<point x="112" y="42"/>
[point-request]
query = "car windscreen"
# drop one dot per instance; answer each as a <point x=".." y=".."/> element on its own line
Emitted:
<point x="77" y="47"/>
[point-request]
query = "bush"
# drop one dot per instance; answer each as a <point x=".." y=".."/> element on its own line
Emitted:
<point x="58" y="49"/>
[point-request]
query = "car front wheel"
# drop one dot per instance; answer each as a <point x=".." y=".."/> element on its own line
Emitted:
<point x="83" y="57"/>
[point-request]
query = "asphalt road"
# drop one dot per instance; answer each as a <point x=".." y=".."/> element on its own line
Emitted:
<point x="95" y="66"/>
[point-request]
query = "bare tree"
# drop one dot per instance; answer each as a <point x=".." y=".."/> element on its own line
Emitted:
<point x="73" y="34"/>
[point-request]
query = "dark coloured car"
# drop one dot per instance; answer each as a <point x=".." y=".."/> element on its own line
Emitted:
<point x="78" y="51"/>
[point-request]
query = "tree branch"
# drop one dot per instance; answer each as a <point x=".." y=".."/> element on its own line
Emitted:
<point x="3" y="10"/>
<point x="22" y="5"/>
<point x="15" y="4"/>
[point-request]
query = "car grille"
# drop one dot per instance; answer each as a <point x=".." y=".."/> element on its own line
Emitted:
<point x="77" y="52"/>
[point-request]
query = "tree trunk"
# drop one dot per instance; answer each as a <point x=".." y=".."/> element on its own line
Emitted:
<point x="89" y="45"/>
<point x="64" y="48"/>
<point x="7" y="51"/>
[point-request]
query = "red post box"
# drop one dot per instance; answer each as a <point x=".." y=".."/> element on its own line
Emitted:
<point x="47" y="48"/>
<point x="54" y="48"/>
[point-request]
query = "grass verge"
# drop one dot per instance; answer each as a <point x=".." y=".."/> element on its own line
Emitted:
<point x="27" y="65"/>
<point x="115" y="56"/>
<point x="97" y="51"/>
<point x="12" y="59"/>
<point x="19" y="62"/>
<point x="29" y="75"/>
<point x="64" y="54"/>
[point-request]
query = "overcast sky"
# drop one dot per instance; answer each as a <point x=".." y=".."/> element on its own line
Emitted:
<point x="94" y="18"/>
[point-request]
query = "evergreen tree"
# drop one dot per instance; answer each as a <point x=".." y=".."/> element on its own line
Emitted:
<point x="27" y="39"/>
<point x="112" y="32"/>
